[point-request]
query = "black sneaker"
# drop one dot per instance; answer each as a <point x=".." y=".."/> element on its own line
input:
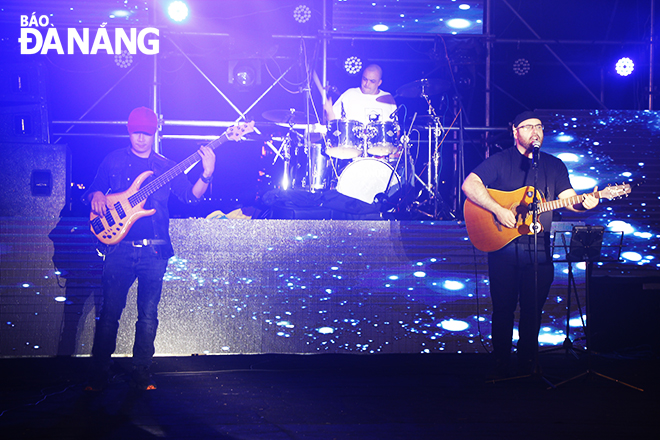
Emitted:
<point x="141" y="379"/>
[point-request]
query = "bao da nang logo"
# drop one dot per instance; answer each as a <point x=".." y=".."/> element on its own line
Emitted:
<point x="33" y="40"/>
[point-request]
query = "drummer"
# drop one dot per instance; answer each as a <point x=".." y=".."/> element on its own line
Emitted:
<point x="366" y="103"/>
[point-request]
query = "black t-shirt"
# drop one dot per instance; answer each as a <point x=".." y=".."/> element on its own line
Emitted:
<point x="509" y="170"/>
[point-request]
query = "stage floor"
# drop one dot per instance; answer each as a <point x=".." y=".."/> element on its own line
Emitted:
<point x="330" y="396"/>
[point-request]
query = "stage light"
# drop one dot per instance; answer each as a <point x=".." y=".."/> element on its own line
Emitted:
<point x="120" y="13"/>
<point x="177" y="10"/>
<point x="353" y="65"/>
<point x="302" y="14"/>
<point x="123" y="59"/>
<point x="625" y="66"/>
<point x="464" y="7"/>
<point x="244" y="74"/>
<point x="458" y="23"/>
<point x="521" y="66"/>
<point x="381" y="27"/>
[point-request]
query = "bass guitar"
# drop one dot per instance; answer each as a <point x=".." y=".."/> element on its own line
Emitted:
<point x="488" y="234"/>
<point x="126" y="207"/>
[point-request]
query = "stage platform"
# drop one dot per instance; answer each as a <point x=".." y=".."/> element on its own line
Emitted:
<point x="330" y="396"/>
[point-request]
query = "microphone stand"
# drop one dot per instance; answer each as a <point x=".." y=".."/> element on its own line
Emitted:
<point x="536" y="228"/>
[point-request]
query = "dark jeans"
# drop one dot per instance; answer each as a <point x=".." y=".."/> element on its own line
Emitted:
<point x="511" y="274"/>
<point x="122" y="266"/>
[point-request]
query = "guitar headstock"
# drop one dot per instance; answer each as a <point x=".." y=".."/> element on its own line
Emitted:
<point x="616" y="191"/>
<point x="236" y="132"/>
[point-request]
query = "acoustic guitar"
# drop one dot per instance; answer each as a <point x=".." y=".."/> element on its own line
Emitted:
<point x="488" y="234"/>
<point x="126" y="207"/>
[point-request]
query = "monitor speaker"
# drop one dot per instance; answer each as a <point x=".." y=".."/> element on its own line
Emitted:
<point x="35" y="179"/>
<point x="624" y="312"/>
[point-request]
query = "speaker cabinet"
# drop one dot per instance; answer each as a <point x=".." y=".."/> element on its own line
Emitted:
<point x="22" y="83"/>
<point x="35" y="179"/>
<point x="624" y="312"/>
<point x="24" y="123"/>
<point x="23" y="109"/>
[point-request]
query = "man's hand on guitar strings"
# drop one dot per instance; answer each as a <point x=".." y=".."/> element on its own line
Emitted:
<point x="590" y="200"/>
<point x="208" y="160"/>
<point x="99" y="203"/>
<point x="506" y="217"/>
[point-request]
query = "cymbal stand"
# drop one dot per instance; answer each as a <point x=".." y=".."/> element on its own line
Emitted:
<point x="285" y="153"/>
<point x="433" y="170"/>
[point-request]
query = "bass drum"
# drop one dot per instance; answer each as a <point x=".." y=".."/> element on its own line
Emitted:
<point x="364" y="178"/>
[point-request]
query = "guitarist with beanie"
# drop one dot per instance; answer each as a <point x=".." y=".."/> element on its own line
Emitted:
<point x="139" y="242"/>
<point x="511" y="265"/>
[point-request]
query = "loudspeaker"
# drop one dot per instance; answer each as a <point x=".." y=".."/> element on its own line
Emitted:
<point x="23" y="109"/>
<point x="22" y="83"/>
<point x="35" y="180"/>
<point x="624" y="313"/>
<point x="24" y="123"/>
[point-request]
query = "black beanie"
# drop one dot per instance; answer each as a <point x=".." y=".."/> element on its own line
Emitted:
<point x="524" y="116"/>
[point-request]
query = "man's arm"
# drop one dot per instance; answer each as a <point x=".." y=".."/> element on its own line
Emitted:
<point x="476" y="191"/>
<point x="208" y="163"/>
<point x="329" y="110"/>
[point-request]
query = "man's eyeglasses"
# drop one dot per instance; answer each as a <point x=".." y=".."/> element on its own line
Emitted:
<point x="529" y="128"/>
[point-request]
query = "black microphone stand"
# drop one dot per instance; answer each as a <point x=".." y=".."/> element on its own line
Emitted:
<point x="536" y="227"/>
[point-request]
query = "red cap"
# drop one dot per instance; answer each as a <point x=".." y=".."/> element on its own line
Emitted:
<point x="142" y="120"/>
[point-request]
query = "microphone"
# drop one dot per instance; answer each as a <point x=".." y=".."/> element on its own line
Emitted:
<point x="395" y="111"/>
<point x="535" y="153"/>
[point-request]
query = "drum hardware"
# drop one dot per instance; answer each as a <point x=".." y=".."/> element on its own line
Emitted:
<point x="423" y="88"/>
<point x="344" y="139"/>
<point x="285" y="116"/>
<point x="438" y="208"/>
<point x="381" y="137"/>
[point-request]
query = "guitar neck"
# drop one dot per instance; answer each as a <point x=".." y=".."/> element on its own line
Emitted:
<point x="562" y="203"/>
<point x="170" y="174"/>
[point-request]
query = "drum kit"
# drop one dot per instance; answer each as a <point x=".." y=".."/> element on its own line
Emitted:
<point x="369" y="162"/>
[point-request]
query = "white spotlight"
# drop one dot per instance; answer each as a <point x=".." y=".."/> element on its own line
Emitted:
<point x="521" y="66"/>
<point x="625" y="66"/>
<point x="177" y="10"/>
<point x="302" y="14"/>
<point x="353" y="65"/>
<point x="123" y="59"/>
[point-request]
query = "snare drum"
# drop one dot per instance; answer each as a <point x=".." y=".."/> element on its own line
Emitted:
<point x="344" y="139"/>
<point x="366" y="177"/>
<point x="382" y="138"/>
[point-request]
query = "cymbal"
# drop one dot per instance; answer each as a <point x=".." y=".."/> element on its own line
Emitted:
<point x="287" y="116"/>
<point x="421" y="87"/>
<point x="387" y="99"/>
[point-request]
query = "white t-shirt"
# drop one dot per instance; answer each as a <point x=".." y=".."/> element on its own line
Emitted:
<point x="359" y="107"/>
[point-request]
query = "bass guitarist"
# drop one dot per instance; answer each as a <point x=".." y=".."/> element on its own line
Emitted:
<point x="144" y="251"/>
<point x="511" y="268"/>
